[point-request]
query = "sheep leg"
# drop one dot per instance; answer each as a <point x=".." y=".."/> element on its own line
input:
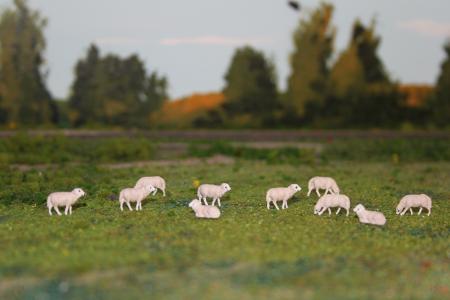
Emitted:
<point x="420" y="211"/>
<point x="347" y="212"/>
<point x="285" y="204"/>
<point x="339" y="209"/>
<point x="317" y="191"/>
<point x="276" y="206"/>
<point x="57" y="210"/>
<point x="50" y="210"/>
<point x="268" y="204"/>
<point x="154" y="193"/>
<point x="70" y="209"/>
<point x="218" y="201"/>
<point x="429" y="211"/>
<point x="204" y="200"/>
<point x="326" y="191"/>
<point x="129" y="206"/>
<point x="404" y="211"/>
<point x="321" y="211"/>
<point x="411" y="211"/>
<point x="309" y="192"/>
<point x="137" y="206"/>
<point x="329" y="211"/>
<point x="66" y="210"/>
<point x="214" y="201"/>
<point x="164" y="192"/>
<point x="121" y="205"/>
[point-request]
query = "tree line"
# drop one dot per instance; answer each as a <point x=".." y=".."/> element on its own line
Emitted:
<point x="353" y="90"/>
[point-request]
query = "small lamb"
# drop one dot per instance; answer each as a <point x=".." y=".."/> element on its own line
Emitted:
<point x="67" y="199"/>
<point x="204" y="211"/>
<point x="328" y="201"/>
<point x="134" y="195"/>
<point x="281" y="194"/>
<point x="156" y="181"/>
<point x="410" y="201"/>
<point x="369" y="217"/>
<point x="213" y="191"/>
<point x="323" y="183"/>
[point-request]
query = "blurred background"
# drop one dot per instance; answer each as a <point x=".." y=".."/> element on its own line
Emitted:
<point x="235" y="64"/>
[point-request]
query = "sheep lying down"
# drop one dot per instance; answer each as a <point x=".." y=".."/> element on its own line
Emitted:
<point x="67" y="199"/>
<point x="274" y="195"/>
<point x="156" y="181"/>
<point x="134" y="195"/>
<point x="369" y="217"/>
<point x="204" y="211"/>
<point x="410" y="201"/>
<point x="326" y="202"/>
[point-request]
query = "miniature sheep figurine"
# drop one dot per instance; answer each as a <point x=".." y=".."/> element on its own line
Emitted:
<point x="327" y="201"/>
<point x="156" y="181"/>
<point x="213" y="191"/>
<point x="134" y="195"/>
<point x="204" y="211"/>
<point x="323" y="183"/>
<point x="67" y="199"/>
<point x="281" y="194"/>
<point x="410" y="201"/>
<point x="369" y="217"/>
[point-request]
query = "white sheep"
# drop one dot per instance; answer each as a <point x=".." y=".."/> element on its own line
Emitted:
<point x="67" y="199"/>
<point x="204" y="211"/>
<point x="212" y="191"/>
<point x="327" y="201"/>
<point x="323" y="183"/>
<point x="134" y="195"/>
<point x="281" y="194"/>
<point x="410" y="201"/>
<point x="156" y="181"/>
<point x="369" y="217"/>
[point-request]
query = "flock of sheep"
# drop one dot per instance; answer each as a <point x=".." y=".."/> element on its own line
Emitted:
<point x="331" y="199"/>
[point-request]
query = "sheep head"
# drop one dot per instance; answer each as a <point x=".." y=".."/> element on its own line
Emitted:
<point x="194" y="203"/>
<point x="226" y="187"/>
<point x="78" y="192"/>
<point x="359" y="208"/>
<point x="295" y="187"/>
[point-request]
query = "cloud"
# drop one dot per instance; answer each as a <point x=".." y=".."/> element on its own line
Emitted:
<point x="427" y="27"/>
<point x="215" y="40"/>
<point x="119" y="41"/>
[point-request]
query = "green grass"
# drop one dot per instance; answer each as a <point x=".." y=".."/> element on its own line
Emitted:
<point x="250" y="252"/>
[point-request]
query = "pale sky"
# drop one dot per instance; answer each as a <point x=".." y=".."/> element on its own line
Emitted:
<point x="192" y="41"/>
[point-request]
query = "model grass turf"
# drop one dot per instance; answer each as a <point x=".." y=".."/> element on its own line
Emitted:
<point x="250" y="252"/>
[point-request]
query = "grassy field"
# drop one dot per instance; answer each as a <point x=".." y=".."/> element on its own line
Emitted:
<point x="250" y="252"/>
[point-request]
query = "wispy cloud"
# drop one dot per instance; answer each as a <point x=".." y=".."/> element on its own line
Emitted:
<point x="215" y="40"/>
<point x="119" y="40"/>
<point x="427" y="27"/>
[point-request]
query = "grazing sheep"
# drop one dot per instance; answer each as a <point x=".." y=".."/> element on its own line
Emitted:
<point x="369" y="217"/>
<point x="204" y="211"/>
<point x="67" y="199"/>
<point x="213" y="191"/>
<point x="323" y="183"/>
<point x="156" y="181"/>
<point x="134" y="195"/>
<point x="410" y="201"/>
<point x="328" y="201"/>
<point x="281" y="194"/>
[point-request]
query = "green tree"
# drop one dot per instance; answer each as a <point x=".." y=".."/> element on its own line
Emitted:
<point x="250" y="90"/>
<point x="114" y="91"/>
<point x="361" y="92"/>
<point x="24" y="97"/>
<point x="313" y="42"/>
<point x="440" y="103"/>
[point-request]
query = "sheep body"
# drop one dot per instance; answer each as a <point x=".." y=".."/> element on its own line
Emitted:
<point x="212" y="191"/>
<point x="327" y="201"/>
<point x="156" y="181"/>
<point x="67" y="199"/>
<point x="204" y="211"/>
<point x="410" y="201"/>
<point x="134" y="195"/>
<point x="323" y="183"/>
<point x="281" y="194"/>
<point x="369" y="217"/>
